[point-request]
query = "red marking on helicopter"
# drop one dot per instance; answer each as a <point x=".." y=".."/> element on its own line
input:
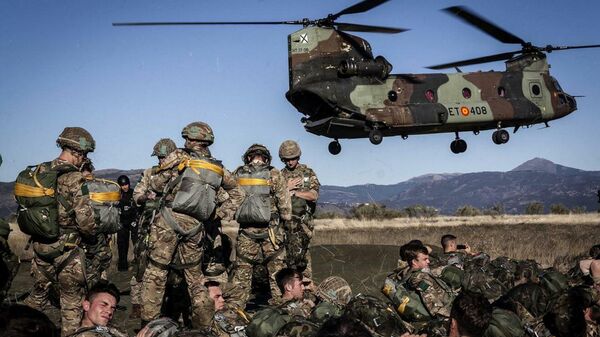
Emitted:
<point x="464" y="111"/>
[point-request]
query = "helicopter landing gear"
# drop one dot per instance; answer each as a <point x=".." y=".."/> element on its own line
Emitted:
<point x="500" y="137"/>
<point x="458" y="145"/>
<point x="375" y="136"/>
<point x="335" y="147"/>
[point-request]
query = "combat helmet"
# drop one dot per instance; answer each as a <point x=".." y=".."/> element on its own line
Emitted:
<point x="198" y="131"/>
<point x="334" y="289"/>
<point x="163" y="147"/>
<point x="162" y="327"/>
<point x="76" y="138"/>
<point x="289" y="149"/>
<point x="257" y="149"/>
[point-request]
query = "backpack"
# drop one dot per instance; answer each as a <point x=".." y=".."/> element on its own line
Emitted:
<point x="298" y="328"/>
<point x="36" y="194"/>
<point x="376" y="315"/>
<point x="256" y="207"/>
<point x="105" y="196"/>
<point x="196" y="187"/>
<point x="480" y="281"/>
<point x="267" y="322"/>
<point x="324" y="311"/>
<point x="408" y="303"/>
<point x="504" y="323"/>
<point x="553" y="281"/>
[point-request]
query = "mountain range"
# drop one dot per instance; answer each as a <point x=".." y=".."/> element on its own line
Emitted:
<point x="535" y="180"/>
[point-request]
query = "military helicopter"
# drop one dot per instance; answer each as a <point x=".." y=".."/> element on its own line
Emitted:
<point x="343" y="91"/>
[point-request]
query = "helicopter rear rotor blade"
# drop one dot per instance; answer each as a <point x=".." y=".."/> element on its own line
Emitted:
<point x="550" y="48"/>
<point x="360" y="7"/>
<point x="484" y="59"/>
<point x="483" y="24"/>
<point x="353" y="27"/>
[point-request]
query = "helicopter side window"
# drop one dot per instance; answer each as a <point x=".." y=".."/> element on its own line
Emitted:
<point x="536" y="91"/>
<point x="429" y="95"/>
<point x="501" y="92"/>
<point x="466" y="92"/>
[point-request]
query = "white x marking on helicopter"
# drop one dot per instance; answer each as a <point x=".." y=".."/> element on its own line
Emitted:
<point x="304" y="38"/>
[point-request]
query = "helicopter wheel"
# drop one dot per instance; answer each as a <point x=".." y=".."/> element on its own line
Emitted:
<point x="375" y="136"/>
<point x="335" y="147"/>
<point x="458" y="146"/>
<point x="500" y="137"/>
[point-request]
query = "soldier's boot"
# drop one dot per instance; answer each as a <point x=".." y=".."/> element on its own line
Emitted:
<point x="136" y="311"/>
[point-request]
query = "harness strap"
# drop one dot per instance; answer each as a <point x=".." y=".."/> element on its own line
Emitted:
<point x="196" y="164"/>
<point x="253" y="182"/>
<point x="167" y="214"/>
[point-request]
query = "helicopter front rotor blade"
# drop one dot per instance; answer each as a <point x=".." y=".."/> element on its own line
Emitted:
<point x="360" y="7"/>
<point x="484" y="59"/>
<point x="550" y="48"/>
<point x="353" y="27"/>
<point x="483" y="24"/>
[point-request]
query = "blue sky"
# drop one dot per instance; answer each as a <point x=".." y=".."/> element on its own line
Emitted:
<point x="63" y="64"/>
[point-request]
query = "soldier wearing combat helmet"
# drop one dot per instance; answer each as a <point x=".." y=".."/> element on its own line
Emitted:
<point x="62" y="258"/>
<point x="303" y="186"/>
<point x="266" y="206"/>
<point x="190" y="179"/>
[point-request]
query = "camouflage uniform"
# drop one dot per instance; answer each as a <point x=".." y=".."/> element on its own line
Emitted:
<point x="302" y="308"/>
<point x="433" y="291"/>
<point x="98" y="257"/>
<point x="230" y="323"/>
<point x="8" y="259"/>
<point x="64" y="260"/>
<point x="165" y="245"/>
<point x="98" y="331"/>
<point x="302" y="210"/>
<point x="262" y="243"/>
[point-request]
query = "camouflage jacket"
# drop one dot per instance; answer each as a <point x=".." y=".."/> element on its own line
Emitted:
<point x="230" y="323"/>
<point x="229" y="187"/>
<point x="280" y="196"/>
<point x="144" y="186"/>
<point x="592" y="329"/>
<point x="71" y="186"/>
<point x="98" y="331"/>
<point x="310" y="182"/>
<point x="436" y="295"/>
<point x="301" y="308"/>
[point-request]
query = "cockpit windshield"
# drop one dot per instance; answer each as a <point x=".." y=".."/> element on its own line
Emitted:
<point x="556" y="85"/>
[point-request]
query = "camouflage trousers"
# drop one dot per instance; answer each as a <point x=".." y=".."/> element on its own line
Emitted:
<point x="136" y="291"/>
<point x="98" y="258"/>
<point x="71" y="280"/>
<point x="254" y="247"/>
<point x="10" y="266"/>
<point x="164" y="243"/>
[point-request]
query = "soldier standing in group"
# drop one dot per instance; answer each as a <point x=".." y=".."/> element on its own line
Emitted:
<point x="146" y="199"/>
<point x="9" y="262"/>
<point x="304" y="186"/>
<point x="260" y="237"/>
<point x="63" y="259"/>
<point x="128" y="224"/>
<point x="190" y="180"/>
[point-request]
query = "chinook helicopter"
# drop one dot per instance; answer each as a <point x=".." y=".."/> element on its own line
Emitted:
<point x="343" y="91"/>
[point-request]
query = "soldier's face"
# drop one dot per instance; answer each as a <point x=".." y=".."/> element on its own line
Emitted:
<point x="421" y="261"/>
<point x="296" y="288"/>
<point x="100" y="309"/>
<point x="291" y="163"/>
<point x="217" y="296"/>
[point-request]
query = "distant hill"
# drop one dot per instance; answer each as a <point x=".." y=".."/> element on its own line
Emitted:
<point x="535" y="180"/>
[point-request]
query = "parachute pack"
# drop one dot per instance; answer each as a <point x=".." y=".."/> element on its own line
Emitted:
<point x="407" y="303"/>
<point x="256" y="207"/>
<point x="35" y="191"/>
<point x="196" y="191"/>
<point x="267" y="322"/>
<point x="105" y="196"/>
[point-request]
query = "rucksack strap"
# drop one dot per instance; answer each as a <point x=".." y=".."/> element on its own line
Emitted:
<point x="184" y="235"/>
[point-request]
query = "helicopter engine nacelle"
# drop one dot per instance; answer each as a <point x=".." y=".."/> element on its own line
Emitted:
<point x="379" y="67"/>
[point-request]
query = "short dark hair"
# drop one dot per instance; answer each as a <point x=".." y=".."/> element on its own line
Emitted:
<point x="211" y="283"/>
<point x="285" y="276"/>
<point x="446" y="240"/>
<point x="595" y="252"/>
<point x="409" y="251"/>
<point x="19" y="320"/>
<point x="103" y="286"/>
<point x="472" y="313"/>
<point x="343" y="326"/>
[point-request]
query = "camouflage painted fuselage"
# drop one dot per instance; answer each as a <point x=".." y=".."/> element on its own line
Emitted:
<point x="342" y="103"/>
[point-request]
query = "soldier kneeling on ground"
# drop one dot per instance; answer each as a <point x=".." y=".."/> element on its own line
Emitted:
<point x="98" y="309"/>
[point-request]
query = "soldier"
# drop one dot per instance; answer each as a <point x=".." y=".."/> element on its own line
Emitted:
<point x="292" y="289"/>
<point x="9" y="262"/>
<point x="128" y="224"/>
<point x="190" y="179"/>
<point x="228" y="321"/>
<point x="260" y="237"/>
<point x="303" y="186"/>
<point x="98" y="309"/>
<point x="146" y="199"/>
<point x="334" y="293"/>
<point x="64" y="259"/>
<point x="470" y="315"/>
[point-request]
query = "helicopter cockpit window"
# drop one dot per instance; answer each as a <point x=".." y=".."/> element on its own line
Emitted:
<point x="501" y="91"/>
<point x="466" y="92"/>
<point x="556" y="85"/>
<point x="429" y="95"/>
